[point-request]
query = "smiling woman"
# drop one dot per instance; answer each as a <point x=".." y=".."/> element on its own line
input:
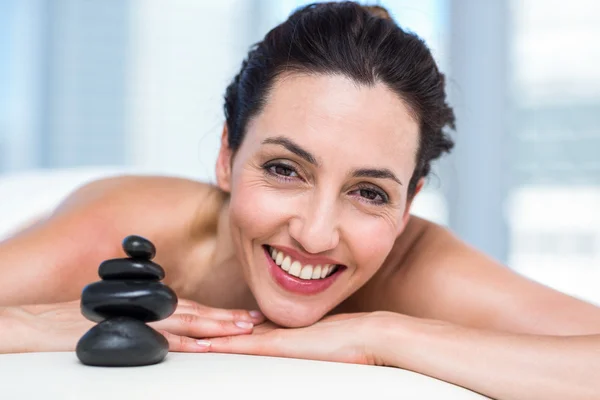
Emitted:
<point x="331" y="127"/>
<point x="326" y="179"/>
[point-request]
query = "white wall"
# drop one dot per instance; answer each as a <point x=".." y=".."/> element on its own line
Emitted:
<point x="182" y="58"/>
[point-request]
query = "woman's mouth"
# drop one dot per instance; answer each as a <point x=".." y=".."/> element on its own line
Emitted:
<point x="298" y="270"/>
<point x="296" y="277"/>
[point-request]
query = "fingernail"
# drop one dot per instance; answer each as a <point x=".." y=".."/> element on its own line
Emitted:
<point x="255" y="314"/>
<point x="203" y="343"/>
<point x="244" y="324"/>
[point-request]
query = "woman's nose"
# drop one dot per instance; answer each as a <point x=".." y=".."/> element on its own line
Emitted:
<point x="316" y="227"/>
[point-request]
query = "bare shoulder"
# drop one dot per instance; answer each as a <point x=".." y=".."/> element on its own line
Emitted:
<point x="431" y="273"/>
<point x="147" y="191"/>
<point x="55" y="258"/>
<point x="156" y="206"/>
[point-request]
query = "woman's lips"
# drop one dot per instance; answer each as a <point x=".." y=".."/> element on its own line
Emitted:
<point x="295" y="284"/>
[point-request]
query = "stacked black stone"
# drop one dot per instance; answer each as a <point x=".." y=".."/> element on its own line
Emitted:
<point x="128" y="296"/>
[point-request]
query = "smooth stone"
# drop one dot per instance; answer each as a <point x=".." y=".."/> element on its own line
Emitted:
<point x="146" y="301"/>
<point x="138" y="247"/>
<point x="129" y="268"/>
<point x="121" y="342"/>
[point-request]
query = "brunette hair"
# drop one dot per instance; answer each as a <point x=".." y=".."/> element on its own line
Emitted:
<point x="359" y="42"/>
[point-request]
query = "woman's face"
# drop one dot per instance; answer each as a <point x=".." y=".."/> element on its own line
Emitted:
<point x="319" y="192"/>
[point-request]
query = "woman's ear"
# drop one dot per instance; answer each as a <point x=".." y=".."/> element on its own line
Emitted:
<point x="223" y="167"/>
<point x="418" y="188"/>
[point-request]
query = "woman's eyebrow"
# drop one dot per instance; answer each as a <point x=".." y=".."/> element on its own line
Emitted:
<point x="376" y="173"/>
<point x="293" y="147"/>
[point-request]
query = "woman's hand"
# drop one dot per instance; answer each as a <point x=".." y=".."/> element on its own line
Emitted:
<point x="192" y="321"/>
<point x="58" y="327"/>
<point x="347" y="338"/>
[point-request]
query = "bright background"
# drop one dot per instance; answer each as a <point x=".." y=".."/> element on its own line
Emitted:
<point x="139" y="84"/>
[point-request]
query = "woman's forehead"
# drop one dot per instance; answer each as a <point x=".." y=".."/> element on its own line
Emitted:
<point x="332" y="112"/>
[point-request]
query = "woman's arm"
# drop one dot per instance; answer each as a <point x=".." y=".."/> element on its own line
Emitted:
<point x="504" y="335"/>
<point x="504" y="366"/>
<point x="499" y="365"/>
<point x="59" y="326"/>
<point x="9" y="335"/>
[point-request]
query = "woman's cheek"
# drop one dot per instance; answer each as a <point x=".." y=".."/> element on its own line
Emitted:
<point x="372" y="239"/>
<point x="259" y="209"/>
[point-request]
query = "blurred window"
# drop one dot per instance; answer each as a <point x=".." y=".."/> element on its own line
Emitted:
<point x="554" y="204"/>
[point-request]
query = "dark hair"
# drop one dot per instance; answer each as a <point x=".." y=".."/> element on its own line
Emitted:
<point x="360" y="42"/>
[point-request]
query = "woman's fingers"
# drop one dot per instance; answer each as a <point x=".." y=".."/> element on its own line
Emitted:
<point x="191" y="307"/>
<point x="185" y="344"/>
<point x="200" y="327"/>
<point x="191" y="321"/>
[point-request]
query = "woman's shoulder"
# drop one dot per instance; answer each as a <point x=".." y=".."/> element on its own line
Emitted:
<point x="88" y="226"/>
<point x="137" y="193"/>
<point x="433" y="274"/>
<point x="159" y="206"/>
<point x="404" y="255"/>
<point x="403" y="279"/>
<point x="133" y="186"/>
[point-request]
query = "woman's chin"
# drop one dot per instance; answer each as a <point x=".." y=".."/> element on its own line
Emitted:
<point x="287" y="321"/>
<point x="291" y="317"/>
<point x="293" y="311"/>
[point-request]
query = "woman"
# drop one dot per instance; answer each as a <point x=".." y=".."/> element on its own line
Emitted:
<point x="331" y="127"/>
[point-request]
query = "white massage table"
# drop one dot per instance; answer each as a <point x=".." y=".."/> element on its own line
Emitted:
<point x="188" y="376"/>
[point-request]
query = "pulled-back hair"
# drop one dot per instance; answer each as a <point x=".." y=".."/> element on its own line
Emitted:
<point x="362" y="43"/>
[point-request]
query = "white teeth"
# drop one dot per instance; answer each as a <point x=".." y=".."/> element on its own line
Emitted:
<point x="285" y="265"/>
<point x="324" y="271"/>
<point x="307" y="272"/>
<point x="316" y="272"/>
<point x="295" y="269"/>
<point x="279" y="258"/>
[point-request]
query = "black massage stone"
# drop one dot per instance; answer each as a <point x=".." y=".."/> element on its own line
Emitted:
<point x="130" y="268"/>
<point x="146" y="301"/>
<point x="122" y="342"/>
<point x="128" y="296"/>
<point x="139" y="247"/>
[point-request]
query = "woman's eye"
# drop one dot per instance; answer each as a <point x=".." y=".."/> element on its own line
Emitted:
<point x="372" y="195"/>
<point x="282" y="170"/>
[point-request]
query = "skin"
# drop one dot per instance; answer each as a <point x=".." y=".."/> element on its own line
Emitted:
<point x="413" y="295"/>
